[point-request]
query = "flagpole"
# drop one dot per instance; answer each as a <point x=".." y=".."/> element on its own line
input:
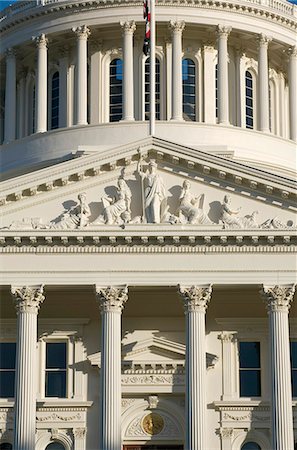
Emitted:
<point x="152" y="69"/>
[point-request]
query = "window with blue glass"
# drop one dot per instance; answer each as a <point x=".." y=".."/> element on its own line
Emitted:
<point x="293" y="348"/>
<point x="251" y="446"/>
<point x="55" y="101"/>
<point x="116" y="90"/>
<point x="5" y="446"/>
<point x="189" y="89"/>
<point x="7" y="369"/>
<point x="147" y="89"/>
<point x="56" y="369"/>
<point x="249" y="100"/>
<point x="249" y="369"/>
<point x="55" y="446"/>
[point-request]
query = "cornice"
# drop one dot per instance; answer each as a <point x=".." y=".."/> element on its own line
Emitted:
<point x="195" y="164"/>
<point x="280" y="12"/>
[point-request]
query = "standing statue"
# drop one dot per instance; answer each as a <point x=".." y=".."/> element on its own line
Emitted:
<point x="154" y="193"/>
<point x="76" y="217"/>
<point x="118" y="210"/>
<point x="228" y="216"/>
<point x="189" y="208"/>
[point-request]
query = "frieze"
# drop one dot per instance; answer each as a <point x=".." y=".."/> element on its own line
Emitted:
<point x="155" y="379"/>
<point x="56" y="417"/>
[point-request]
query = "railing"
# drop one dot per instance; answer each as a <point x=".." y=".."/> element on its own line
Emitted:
<point x="281" y="6"/>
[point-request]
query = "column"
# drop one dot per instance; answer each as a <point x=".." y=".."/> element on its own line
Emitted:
<point x="27" y="301"/>
<point x="82" y="34"/>
<point x="263" y="83"/>
<point x="63" y="88"/>
<point x="278" y="300"/>
<point x="128" y="84"/>
<point x="293" y="93"/>
<point x="177" y="84"/>
<point x="111" y="300"/>
<point x="10" y="97"/>
<point x="228" y="356"/>
<point x="21" y="105"/>
<point x="96" y="83"/>
<point x="282" y="114"/>
<point x="41" y="84"/>
<point x="195" y="299"/>
<point x="209" y="99"/>
<point x="223" y="79"/>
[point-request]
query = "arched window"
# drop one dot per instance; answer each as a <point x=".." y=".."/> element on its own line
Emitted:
<point x="5" y="446"/>
<point x="55" y="101"/>
<point x="116" y="90"/>
<point x="147" y="89"/>
<point x="249" y="100"/>
<point x="189" y="89"/>
<point x="55" y="446"/>
<point x="250" y="446"/>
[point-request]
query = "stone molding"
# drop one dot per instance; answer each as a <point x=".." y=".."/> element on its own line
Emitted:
<point x="111" y="298"/>
<point x="278" y="298"/>
<point x="195" y="298"/>
<point x="27" y="299"/>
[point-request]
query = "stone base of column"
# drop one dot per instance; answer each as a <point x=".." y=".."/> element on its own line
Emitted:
<point x="177" y="119"/>
<point x="128" y="119"/>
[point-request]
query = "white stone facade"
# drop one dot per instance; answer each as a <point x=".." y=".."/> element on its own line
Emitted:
<point x="153" y="260"/>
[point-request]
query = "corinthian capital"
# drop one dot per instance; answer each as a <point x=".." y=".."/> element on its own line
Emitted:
<point x="27" y="299"/>
<point x="128" y="27"/>
<point x="195" y="298"/>
<point x="111" y="298"/>
<point x="278" y="298"/>
<point x="176" y="26"/>
<point x="82" y="32"/>
<point x="292" y="52"/>
<point x="223" y="31"/>
<point x="10" y="53"/>
<point x="263" y="40"/>
<point x="41" y="41"/>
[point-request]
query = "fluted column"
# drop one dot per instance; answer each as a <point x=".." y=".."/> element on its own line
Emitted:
<point x="293" y="93"/>
<point x="278" y="300"/>
<point x="177" y="85"/>
<point x="10" y="97"/>
<point x="263" y="82"/>
<point x="82" y="34"/>
<point x="223" y="79"/>
<point x="128" y="83"/>
<point x="111" y="300"/>
<point x="41" y="84"/>
<point x="27" y="301"/>
<point x="195" y="299"/>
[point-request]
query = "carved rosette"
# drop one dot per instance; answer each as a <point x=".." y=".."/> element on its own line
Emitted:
<point x="195" y="298"/>
<point x="263" y="40"/>
<point x="176" y="26"/>
<point x="27" y="299"/>
<point x="82" y="32"/>
<point x="223" y="31"/>
<point x="278" y="298"/>
<point x="41" y="41"/>
<point x="111" y="298"/>
<point x="128" y="27"/>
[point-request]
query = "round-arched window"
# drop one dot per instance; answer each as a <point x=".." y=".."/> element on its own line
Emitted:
<point x="249" y="100"/>
<point x="5" y="446"/>
<point x="189" y="89"/>
<point x="55" y="446"/>
<point x="116" y="90"/>
<point x="251" y="446"/>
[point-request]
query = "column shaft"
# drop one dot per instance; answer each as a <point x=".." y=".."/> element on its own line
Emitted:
<point x="41" y="84"/>
<point x="263" y="78"/>
<point x="63" y="91"/>
<point x="177" y="85"/>
<point x="195" y="300"/>
<point x="81" y="75"/>
<point x="209" y="99"/>
<point x="293" y="93"/>
<point x="21" y="112"/>
<point x="223" y="79"/>
<point x="128" y="83"/>
<point x="278" y="300"/>
<point x="27" y="302"/>
<point x="10" y="97"/>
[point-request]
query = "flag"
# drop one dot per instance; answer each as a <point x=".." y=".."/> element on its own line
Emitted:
<point x="147" y="17"/>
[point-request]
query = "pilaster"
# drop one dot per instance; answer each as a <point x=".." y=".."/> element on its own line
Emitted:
<point x="263" y="82"/>
<point x="10" y="97"/>
<point x="176" y="28"/>
<point x="209" y="100"/>
<point x="223" y="78"/>
<point x="128" y="29"/>
<point x="228" y="356"/>
<point x="293" y="92"/>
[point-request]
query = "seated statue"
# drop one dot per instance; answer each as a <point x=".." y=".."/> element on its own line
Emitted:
<point x="189" y="208"/>
<point x="229" y="216"/>
<point x="76" y="217"/>
<point x="118" y="210"/>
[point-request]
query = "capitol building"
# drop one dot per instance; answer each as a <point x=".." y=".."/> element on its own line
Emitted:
<point x="148" y="273"/>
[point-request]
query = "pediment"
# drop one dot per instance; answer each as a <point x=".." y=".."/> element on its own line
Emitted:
<point x="257" y="198"/>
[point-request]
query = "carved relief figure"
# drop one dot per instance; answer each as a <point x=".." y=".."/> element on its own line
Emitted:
<point x="76" y="217"/>
<point x="189" y="208"/>
<point x="154" y="193"/>
<point x="118" y="210"/>
<point x="229" y="216"/>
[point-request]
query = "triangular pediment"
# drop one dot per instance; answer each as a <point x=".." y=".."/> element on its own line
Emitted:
<point x="42" y="198"/>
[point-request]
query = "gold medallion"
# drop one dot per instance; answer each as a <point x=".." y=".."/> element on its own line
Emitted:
<point x="153" y="424"/>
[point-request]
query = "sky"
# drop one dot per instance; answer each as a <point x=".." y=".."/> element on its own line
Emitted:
<point x="5" y="3"/>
